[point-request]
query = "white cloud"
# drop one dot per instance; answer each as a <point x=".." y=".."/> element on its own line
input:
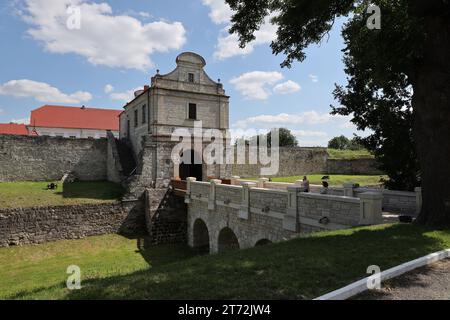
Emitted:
<point x="228" y="44"/>
<point x="286" y="119"/>
<point x="41" y="92"/>
<point x="253" y="85"/>
<point x="109" y="88"/>
<point x="103" y="39"/>
<point x="1" y="111"/>
<point x="145" y="14"/>
<point x="124" y="96"/>
<point x="220" y="11"/>
<point x="348" y="125"/>
<point x="21" y="121"/>
<point x="311" y="138"/>
<point x="306" y="133"/>
<point x="287" y="87"/>
<point x="314" y="78"/>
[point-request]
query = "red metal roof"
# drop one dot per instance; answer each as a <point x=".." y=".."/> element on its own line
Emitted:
<point x="75" y="118"/>
<point x="12" y="128"/>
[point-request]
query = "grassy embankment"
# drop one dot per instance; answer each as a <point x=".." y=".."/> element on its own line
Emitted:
<point x="32" y="194"/>
<point x="113" y="268"/>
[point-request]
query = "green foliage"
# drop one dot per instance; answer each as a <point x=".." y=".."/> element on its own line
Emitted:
<point x="379" y="92"/>
<point x="381" y="66"/>
<point x="114" y="268"/>
<point x="344" y="143"/>
<point x="286" y="139"/>
<point x="340" y="143"/>
<point x="32" y="194"/>
<point x="349" y="154"/>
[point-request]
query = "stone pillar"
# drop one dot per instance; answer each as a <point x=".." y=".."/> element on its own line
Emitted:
<point x="418" y="191"/>
<point x="235" y="180"/>
<point x="212" y="194"/>
<point x="244" y="211"/>
<point x="225" y="171"/>
<point x="291" y="219"/>
<point x="371" y="208"/>
<point x="189" y="181"/>
<point x="298" y="183"/>
<point x="262" y="182"/>
<point x="148" y="167"/>
<point x="349" y="189"/>
<point x="176" y="171"/>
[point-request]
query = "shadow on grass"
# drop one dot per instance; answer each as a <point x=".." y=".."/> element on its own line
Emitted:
<point x="157" y="256"/>
<point x="98" y="190"/>
<point x="299" y="269"/>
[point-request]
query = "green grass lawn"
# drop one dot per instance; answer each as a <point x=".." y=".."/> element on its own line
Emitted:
<point x="113" y="268"/>
<point x="335" y="180"/>
<point x="31" y="194"/>
<point x="349" y="154"/>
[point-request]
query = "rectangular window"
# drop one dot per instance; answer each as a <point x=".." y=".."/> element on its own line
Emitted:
<point x="192" y="111"/>
<point x="136" y="118"/>
<point x="191" y="77"/>
<point x="144" y="114"/>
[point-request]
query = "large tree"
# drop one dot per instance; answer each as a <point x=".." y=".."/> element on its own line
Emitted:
<point x="398" y="77"/>
<point x="285" y="138"/>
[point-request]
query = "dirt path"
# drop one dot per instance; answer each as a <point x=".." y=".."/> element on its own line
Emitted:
<point x="427" y="283"/>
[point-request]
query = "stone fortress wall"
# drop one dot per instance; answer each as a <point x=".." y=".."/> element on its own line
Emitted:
<point x="23" y="226"/>
<point x="361" y="166"/>
<point x="160" y="217"/>
<point x="24" y="158"/>
<point x="295" y="161"/>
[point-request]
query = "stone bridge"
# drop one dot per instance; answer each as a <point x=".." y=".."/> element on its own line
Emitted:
<point x="223" y="217"/>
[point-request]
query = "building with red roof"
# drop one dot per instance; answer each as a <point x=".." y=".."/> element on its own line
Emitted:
<point x="73" y="122"/>
<point x="13" y="129"/>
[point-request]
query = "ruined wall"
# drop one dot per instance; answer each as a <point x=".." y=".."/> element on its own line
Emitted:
<point x="24" y="158"/>
<point x="21" y="226"/>
<point x="293" y="161"/>
<point x="113" y="166"/>
<point x="363" y="166"/>
<point x="299" y="161"/>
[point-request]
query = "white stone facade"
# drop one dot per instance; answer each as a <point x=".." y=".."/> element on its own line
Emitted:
<point x="149" y="120"/>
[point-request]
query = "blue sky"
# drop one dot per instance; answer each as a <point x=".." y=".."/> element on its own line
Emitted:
<point x="120" y="44"/>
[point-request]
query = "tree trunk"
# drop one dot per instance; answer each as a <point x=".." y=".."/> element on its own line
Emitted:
<point x="431" y="103"/>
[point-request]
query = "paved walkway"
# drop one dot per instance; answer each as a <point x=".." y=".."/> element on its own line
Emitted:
<point x="427" y="283"/>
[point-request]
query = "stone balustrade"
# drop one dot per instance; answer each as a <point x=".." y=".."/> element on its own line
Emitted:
<point x="399" y="202"/>
<point x="253" y="214"/>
